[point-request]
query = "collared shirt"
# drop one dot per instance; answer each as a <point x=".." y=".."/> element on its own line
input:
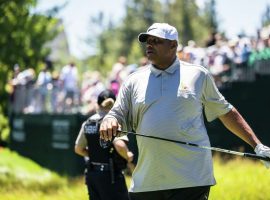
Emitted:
<point x="169" y="104"/>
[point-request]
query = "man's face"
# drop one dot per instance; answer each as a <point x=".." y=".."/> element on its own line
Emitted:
<point x="159" y="50"/>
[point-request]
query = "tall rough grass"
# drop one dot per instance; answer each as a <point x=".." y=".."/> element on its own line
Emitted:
<point x="240" y="179"/>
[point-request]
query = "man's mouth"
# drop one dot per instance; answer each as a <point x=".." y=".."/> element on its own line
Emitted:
<point x="149" y="51"/>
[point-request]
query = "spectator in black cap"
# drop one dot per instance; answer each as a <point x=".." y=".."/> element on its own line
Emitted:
<point x="104" y="177"/>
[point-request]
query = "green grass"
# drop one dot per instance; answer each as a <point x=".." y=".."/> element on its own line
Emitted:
<point x="22" y="179"/>
<point x="17" y="172"/>
<point x="240" y="179"/>
<point x="72" y="191"/>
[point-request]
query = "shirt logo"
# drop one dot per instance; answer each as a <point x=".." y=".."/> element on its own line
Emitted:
<point x="90" y="129"/>
<point x="183" y="86"/>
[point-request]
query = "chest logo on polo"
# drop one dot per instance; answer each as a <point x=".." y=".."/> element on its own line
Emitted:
<point x="183" y="86"/>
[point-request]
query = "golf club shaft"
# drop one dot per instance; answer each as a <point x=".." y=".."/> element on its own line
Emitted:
<point x="203" y="147"/>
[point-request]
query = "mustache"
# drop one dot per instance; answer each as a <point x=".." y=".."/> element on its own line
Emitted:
<point x="149" y="50"/>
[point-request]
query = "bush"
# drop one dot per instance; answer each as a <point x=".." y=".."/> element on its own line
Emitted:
<point x="4" y="128"/>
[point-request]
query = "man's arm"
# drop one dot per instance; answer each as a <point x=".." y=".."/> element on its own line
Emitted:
<point x="237" y="125"/>
<point x="117" y="117"/>
<point x="122" y="148"/>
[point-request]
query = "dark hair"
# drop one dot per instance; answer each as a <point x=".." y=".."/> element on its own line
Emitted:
<point x="105" y="95"/>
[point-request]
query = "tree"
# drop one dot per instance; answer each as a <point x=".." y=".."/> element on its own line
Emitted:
<point x="22" y="38"/>
<point x="139" y="15"/>
<point x="105" y="38"/>
<point x="211" y="15"/>
<point x="190" y="20"/>
<point x="266" y="17"/>
<point x="121" y="39"/>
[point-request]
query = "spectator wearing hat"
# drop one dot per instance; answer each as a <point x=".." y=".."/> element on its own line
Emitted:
<point x="104" y="177"/>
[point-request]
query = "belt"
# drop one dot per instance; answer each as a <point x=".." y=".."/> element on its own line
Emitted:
<point x="99" y="166"/>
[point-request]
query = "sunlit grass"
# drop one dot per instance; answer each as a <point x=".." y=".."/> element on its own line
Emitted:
<point x="17" y="172"/>
<point x="74" y="190"/>
<point x="22" y="179"/>
<point x="240" y="179"/>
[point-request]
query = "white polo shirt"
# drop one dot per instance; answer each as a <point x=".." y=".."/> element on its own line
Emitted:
<point x="169" y="104"/>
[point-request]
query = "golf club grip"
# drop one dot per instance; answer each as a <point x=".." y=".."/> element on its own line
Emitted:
<point x="250" y="155"/>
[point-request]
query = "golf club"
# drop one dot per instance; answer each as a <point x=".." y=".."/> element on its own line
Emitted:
<point x="249" y="155"/>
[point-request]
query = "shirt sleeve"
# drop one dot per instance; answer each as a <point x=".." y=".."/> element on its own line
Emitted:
<point x="122" y="108"/>
<point x="214" y="102"/>
<point x="81" y="139"/>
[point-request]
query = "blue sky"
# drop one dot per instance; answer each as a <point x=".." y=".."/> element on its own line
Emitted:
<point x="234" y="16"/>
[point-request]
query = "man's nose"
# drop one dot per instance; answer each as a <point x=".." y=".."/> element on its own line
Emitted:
<point x="149" y="44"/>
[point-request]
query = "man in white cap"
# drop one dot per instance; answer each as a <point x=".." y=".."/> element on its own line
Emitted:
<point x="166" y="99"/>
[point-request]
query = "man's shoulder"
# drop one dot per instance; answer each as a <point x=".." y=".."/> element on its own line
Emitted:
<point x="191" y="67"/>
<point x="142" y="71"/>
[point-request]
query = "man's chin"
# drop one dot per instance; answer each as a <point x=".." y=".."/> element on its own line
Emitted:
<point x="150" y="56"/>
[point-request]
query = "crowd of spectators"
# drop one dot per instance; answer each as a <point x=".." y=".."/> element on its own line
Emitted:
<point x="237" y="59"/>
<point x="48" y="92"/>
<point x="62" y="92"/>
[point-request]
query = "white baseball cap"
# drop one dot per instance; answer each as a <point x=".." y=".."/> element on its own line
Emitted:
<point x="161" y="30"/>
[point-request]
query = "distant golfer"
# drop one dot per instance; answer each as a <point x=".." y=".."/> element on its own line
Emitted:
<point x="104" y="177"/>
<point x="166" y="99"/>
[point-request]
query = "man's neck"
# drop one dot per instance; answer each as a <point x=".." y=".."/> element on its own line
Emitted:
<point x="165" y="65"/>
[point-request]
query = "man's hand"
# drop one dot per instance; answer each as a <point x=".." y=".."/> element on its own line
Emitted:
<point x="130" y="156"/>
<point x="130" y="165"/>
<point x="108" y="128"/>
<point x="264" y="151"/>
